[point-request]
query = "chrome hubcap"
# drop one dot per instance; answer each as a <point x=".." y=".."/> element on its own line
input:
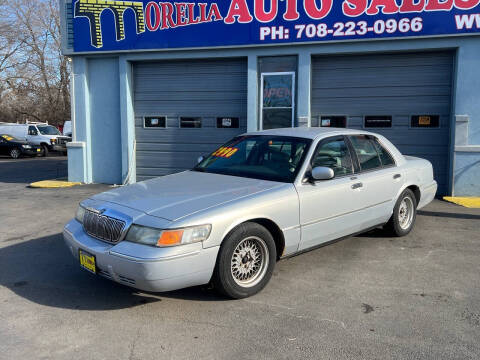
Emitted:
<point x="249" y="261"/>
<point x="405" y="213"/>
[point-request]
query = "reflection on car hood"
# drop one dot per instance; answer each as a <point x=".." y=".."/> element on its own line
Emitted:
<point x="179" y="195"/>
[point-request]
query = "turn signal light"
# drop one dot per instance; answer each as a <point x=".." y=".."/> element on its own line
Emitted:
<point x="170" y="238"/>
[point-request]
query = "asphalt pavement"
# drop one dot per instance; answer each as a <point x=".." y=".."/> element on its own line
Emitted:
<point x="366" y="297"/>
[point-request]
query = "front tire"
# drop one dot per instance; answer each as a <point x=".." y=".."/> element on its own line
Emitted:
<point x="404" y="215"/>
<point x="15" y="153"/>
<point x="245" y="261"/>
<point x="44" y="150"/>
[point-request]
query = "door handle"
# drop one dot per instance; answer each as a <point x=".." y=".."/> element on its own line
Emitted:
<point x="357" y="186"/>
<point x="397" y="176"/>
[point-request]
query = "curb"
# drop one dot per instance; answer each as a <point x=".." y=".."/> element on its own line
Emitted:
<point x="468" y="202"/>
<point x="53" y="184"/>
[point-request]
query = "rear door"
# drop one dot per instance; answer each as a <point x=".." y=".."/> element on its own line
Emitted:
<point x="328" y="208"/>
<point x="378" y="180"/>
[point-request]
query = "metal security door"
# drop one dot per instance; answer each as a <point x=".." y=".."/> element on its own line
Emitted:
<point x="403" y="96"/>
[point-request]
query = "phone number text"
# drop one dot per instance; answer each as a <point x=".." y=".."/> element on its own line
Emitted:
<point x="340" y="29"/>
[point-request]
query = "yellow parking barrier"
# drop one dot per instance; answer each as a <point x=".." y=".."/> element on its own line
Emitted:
<point x="469" y="202"/>
<point x="53" y="184"/>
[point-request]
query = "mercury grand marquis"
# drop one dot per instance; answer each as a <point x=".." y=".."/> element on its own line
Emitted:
<point x="261" y="197"/>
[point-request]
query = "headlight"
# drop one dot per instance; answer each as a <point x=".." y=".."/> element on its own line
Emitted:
<point x="26" y="146"/>
<point x="163" y="238"/>
<point x="53" y="141"/>
<point x="79" y="214"/>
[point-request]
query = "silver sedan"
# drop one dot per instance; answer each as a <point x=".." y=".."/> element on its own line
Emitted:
<point x="260" y="197"/>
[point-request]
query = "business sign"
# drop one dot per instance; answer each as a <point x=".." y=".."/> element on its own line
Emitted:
<point x="111" y="25"/>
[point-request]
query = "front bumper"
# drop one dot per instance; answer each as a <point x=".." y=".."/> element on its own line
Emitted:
<point x="145" y="267"/>
<point x="59" y="148"/>
<point x="31" y="152"/>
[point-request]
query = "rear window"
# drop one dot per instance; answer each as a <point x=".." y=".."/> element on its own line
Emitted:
<point x="366" y="152"/>
<point x="385" y="157"/>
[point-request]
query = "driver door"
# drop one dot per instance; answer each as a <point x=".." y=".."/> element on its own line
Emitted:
<point x="328" y="208"/>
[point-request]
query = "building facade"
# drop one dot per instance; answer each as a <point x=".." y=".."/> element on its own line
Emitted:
<point x="156" y="84"/>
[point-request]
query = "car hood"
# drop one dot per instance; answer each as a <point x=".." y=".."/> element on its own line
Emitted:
<point x="175" y="196"/>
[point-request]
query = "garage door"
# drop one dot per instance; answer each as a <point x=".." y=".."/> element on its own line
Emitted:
<point x="405" y="97"/>
<point x="185" y="109"/>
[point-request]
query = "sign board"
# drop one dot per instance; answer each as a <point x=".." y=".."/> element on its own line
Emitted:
<point x="114" y="25"/>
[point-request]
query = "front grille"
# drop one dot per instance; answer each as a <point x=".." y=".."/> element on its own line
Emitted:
<point x="103" y="227"/>
<point x="63" y="141"/>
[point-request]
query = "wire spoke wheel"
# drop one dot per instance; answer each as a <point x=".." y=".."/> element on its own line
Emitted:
<point x="406" y="213"/>
<point x="249" y="261"/>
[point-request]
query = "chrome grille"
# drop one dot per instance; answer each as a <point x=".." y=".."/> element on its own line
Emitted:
<point x="103" y="227"/>
<point x="63" y="141"/>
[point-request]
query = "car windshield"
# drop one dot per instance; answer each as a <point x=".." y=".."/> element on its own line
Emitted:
<point x="48" y="130"/>
<point x="275" y="158"/>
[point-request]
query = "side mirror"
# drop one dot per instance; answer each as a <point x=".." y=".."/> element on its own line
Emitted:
<point x="200" y="159"/>
<point x="322" y="173"/>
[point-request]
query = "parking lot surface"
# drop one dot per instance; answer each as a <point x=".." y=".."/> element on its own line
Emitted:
<point x="366" y="297"/>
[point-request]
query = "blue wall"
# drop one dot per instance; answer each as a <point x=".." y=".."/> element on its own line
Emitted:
<point x="103" y="109"/>
<point x="106" y="147"/>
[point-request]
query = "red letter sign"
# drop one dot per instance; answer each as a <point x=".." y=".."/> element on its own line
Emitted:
<point x="354" y="7"/>
<point x="314" y="12"/>
<point x="239" y="9"/>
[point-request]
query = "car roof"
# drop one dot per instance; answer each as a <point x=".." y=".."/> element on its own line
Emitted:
<point x="309" y="132"/>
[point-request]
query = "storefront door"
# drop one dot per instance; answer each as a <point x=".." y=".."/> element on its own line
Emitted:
<point x="278" y="100"/>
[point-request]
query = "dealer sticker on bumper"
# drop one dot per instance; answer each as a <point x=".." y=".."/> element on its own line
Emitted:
<point x="87" y="261"/>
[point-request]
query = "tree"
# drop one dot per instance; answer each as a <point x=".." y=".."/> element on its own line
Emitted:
<point x="35" y="76"/>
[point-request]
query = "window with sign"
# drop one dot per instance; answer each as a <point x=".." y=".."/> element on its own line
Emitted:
<point x="425" y="121"/>
<point x="278" y="100"/>
<point x="228" y="122"/>
<point x="155" y="122"/>
<point x="333" y="121"/>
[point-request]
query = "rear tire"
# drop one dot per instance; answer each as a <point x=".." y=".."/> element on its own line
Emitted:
<point x="245" y="261"/>
<point x="15" y="153"/>
<point x="404" y="215"/>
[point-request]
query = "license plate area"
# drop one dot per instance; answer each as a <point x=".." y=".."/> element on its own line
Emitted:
<point x="87" y="261"/>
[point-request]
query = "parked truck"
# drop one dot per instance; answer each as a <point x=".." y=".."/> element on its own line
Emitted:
<point x="46" y="136"/>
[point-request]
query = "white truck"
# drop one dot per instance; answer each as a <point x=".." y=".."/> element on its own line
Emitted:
<point x="46" y="136"/>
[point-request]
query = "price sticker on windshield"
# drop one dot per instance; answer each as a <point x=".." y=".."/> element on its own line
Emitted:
<point x="225" y="152"/>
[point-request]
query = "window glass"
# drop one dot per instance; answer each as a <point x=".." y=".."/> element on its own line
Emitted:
<point x="277" y="118"/>
<point x="278" y="101"/>
<point x="333" y="121"/>
<point x="155" y="122"/>
<point x="335" y="155"/>
<point x="48" y="130"/>
<point x="277" y="91"/>
<point x="32" y="130"/>
<point x="425" y="121"/>
<point x="228" y="122"/>
<point x="276" y="158"/>
<point x="378" y="121"/>
<point x="385" y="156"/>
<point x="366" y="152"/>
<point x="190" y="122"/>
